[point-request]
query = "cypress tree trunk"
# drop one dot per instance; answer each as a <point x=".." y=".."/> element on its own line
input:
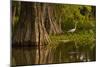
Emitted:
<point x="36" y="21"/>
<point x="30" y="28"/>
<point x="55" y="25"/>
<point x="24" y="29"/>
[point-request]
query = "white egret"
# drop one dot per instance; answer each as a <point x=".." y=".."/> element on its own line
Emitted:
<point x="73" y="30"/>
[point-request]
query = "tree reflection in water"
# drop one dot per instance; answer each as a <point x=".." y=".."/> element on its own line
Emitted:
<point x="63" y="53"/>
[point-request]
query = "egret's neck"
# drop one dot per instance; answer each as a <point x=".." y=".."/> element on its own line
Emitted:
<point x="75" y="25"/>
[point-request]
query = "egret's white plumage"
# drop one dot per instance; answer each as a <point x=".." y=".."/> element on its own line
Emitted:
<point x="73" y="30"/>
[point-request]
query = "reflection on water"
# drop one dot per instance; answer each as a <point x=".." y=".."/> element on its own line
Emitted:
<point x="63" y="53"/>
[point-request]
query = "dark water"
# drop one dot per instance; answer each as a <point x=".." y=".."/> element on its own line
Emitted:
<point x="63" y="53"/>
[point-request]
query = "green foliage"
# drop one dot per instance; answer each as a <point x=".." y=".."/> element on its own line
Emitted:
<point x="80" y="37"/>
<point x="77" y="13"/>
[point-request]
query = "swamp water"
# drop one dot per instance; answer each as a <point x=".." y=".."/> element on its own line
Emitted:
<point x="66" y="52"/>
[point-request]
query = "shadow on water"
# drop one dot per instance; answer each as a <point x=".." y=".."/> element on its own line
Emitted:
<point x="65" y="52"/>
